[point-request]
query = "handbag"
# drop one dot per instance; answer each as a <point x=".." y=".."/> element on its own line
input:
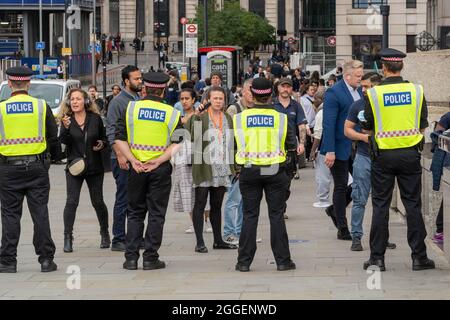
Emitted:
<point x="78" y="166"/>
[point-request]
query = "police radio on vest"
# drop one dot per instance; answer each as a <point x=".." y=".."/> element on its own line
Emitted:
<point x="260" y="121"/>
<point x="397" y="99"/>
<point x="152" y="114"/>
<point x="19" y="107"/>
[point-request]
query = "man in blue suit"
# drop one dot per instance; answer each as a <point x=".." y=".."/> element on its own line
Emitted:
<point x="335" y="145"/>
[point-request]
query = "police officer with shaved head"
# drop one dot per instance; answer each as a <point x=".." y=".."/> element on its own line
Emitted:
<point x="396" y="113"/>
<point x="28" y="133"/>
<point x="143" y="136"/>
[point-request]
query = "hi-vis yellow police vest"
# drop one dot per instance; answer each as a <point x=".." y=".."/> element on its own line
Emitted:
<point x="396" y="109"/>
<point x="260" y="136"/>
<point x="150" y="125"/>
<point x="22" y="126"/>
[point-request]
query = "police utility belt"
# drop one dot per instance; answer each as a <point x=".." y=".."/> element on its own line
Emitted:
<point x="22" y="160"/>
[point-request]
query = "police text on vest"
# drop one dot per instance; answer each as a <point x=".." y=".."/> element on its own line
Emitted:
<point x="19" y="107"/>
<point x="397" y="99"/>
<point x="152" y="114"/>
<point x="260" y="121"/>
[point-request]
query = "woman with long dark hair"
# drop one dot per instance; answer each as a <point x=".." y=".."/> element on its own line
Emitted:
<point x="83" y="133"/>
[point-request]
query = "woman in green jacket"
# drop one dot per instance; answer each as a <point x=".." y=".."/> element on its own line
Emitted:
<point x="211" y="131"/>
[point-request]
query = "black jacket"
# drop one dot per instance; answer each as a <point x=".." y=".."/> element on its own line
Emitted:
<point x="73" y="137"/>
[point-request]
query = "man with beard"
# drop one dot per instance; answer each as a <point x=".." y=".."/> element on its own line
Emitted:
<point x="132" y="81"/>
<point x="296" y="123"/>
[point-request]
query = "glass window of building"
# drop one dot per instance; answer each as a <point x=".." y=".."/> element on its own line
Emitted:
<point x="181" y="14"/>
<point x="411" y="43"/>
<point x="411" y="4"/>
<point x="366" y="48"/>
<point x="364" y="4"/>
<point x="258" y="7"/>
<point x="114" y="16"/>
<point x="281" y="25"/>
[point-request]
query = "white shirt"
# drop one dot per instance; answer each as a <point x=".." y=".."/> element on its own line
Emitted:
<point x="308" y="108"/>
<point x="353" y="92"/>
<point x="318" y="129"/>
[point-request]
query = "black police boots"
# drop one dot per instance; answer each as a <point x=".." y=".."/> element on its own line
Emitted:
<point x="68" y="242"/>
<point x="48" y="266"/>
<point x="8" y="267"/>
<point x="153" y="265"/>
<point x="105" y="241"/>
<point x="375" y="262"/>
<point x="422" y="264"/>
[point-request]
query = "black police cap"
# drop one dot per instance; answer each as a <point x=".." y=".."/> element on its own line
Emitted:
<point x="261" y="87"/>
<point x="155" y="79"/>
<point x="19" y="73"/>
<point x="391" y="55"/>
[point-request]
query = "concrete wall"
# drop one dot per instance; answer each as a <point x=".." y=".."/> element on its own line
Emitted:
<point x="430" y="69"/>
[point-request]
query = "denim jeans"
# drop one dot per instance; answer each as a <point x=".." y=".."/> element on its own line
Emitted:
<point x="233" y="211"/>
<point x="120" y="204"/>
<point x="360" y="193"/>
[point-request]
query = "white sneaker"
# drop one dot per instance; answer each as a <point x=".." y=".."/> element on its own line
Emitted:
<point x="190" y="230"/>
<point x="207" y="227"/>
<point x="321" y="204"/>
<point x="258" y="240"/>
<point x="232" y="240"/>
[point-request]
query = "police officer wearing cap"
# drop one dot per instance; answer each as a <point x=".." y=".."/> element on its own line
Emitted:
<point x="143" y="135"/>
<point x="396" y="112"/>
<point x="28" y="132"/>
<point x="262" y="138"/>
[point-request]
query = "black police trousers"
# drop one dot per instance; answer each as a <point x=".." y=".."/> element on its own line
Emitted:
<point x="147" y="192"/>
<point x="252" y="182"/>
<point x="403" y="164"/>
<point x="16" y="182"/>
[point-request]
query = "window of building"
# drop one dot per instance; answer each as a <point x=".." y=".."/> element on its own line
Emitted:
<point x="281" y="15"/>
<point x="410" y="43"/>
<point x="114" y="17"/>
<point x="411" y="4"/>
<point x="296" y="17"/>
<point x="181" y="14"/>
<point x="364" y="4"/>
<point x="161" y="16"/>
<point x="140" y="16"/>
<point x="258" y="7"/>
<point x="319" y="14"/>
<point x="366" y="48"/>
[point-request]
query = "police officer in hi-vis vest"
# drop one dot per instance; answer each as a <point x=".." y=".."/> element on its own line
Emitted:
<point x="28" y="132"/>
<point x="262" y="138"/>
<point x="144" y="137"/>
<point x="396" y="112"/>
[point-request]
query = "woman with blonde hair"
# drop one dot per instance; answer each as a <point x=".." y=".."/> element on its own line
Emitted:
<point x="83" y="132"/>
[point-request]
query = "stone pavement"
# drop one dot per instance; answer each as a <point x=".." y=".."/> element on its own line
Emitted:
<point x="326" y="268"/>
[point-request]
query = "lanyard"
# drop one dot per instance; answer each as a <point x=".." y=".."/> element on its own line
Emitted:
<point x="219" y="125"/>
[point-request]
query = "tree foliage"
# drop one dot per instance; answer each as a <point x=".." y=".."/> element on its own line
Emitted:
<point x="235" y="26"/>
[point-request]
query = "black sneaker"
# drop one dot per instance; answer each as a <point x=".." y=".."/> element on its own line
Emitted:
<point x="344" y="234"/>
<point x="330" y="212"/>
<point x="356" y="245"/>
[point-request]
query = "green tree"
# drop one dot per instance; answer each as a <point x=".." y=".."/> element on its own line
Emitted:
<point x="235" y="26"/>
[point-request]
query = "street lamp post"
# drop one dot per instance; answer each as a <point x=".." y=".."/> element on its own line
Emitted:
<point x="205" y="2"/>
<point x="41" y="51"/>
<point x="158" y="32"/>
<point x="94" y="62"/>
<point x="385" y="10"/>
